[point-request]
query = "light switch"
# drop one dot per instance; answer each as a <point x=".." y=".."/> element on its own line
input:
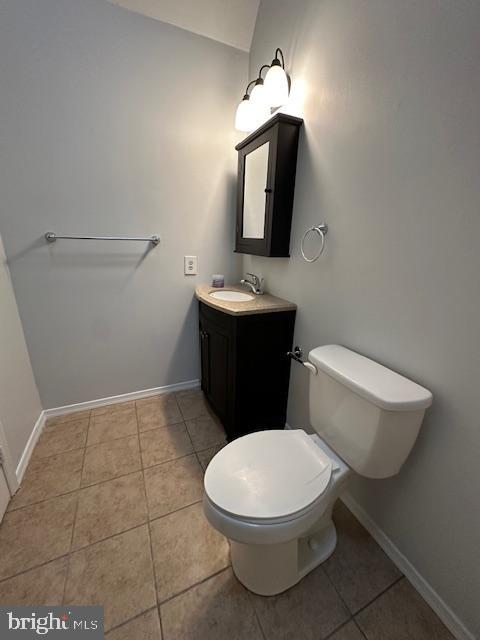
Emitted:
<point x="190" y="265"/>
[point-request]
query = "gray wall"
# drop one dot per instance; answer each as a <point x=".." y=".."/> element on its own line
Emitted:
<point x="112" y="124"/>
<point x="390" y="157"/>
<point x="20" y="404"/>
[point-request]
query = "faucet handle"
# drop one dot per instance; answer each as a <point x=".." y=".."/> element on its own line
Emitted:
<point x="254" y="278"/>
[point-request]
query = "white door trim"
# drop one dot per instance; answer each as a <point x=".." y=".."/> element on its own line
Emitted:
<point x="7" y="463"/>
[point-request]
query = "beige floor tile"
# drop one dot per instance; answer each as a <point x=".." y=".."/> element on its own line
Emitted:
<point x="186" y="549"/>
<point x="108" y="426"/>
<point x="36" y="534"/>
<point x="173" y="485"/>
<point x="49" y="477"/>
<point x="145" y="627"/>
<point x="296" y="615"/>
<point x="115" y="573"/>
<point x="349" y="631"/>
<point x="401" y="613"/>
<point x="113" y="408"/>
<point x="61" y="437"/>
<point x="206" y="455"/>
<point x="111" y="459"/>
<point x="358" y="568"/>
<point x="205" y="432"/>
<point x="109" y="508"/>
<point x="158" y="411"/>
<point x="166" y="443"/>
<point x="68" y="417"/>
<point x="218" y="609"/>
<point x="192" y="403"/>
<point x="40" y="587"/>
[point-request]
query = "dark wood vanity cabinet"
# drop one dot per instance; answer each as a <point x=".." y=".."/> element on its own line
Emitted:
<point x="267" y="162"/>
<point x="245" y="369"/>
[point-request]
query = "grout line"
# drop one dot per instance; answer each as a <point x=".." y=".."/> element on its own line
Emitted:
<point x="71" y="551"/>
<point x="152" y="466"/>
<point x="257" y="619"/>
<point x="36" y="459"/>
<point x="149" y="533"/>
<point x="379" y="595"/>
<point x="67" y="573"/>
<point x="69" y="493"/>
<point x="37" y="566"/>
<point x="113" y="535"/>
<point x="337" y="629"/>
<point x="96" y="484"/>
<point x="360" y="629"/>
<point x="68" y="419"/>
<point x="192" y="586"/>
<point x="163" y="426"/>
<point x="191" y="441"/>
<point x="336" y="590"/>
<point x="185" y="506"/>
<point x="138" y="615"/>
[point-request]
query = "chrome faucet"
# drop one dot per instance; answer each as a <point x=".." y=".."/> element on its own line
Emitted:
<point x="255" y="283"/>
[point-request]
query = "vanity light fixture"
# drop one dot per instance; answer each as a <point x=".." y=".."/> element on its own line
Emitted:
<point x="244" y="114"/>
<point x="276" y="81"/>
<point x="256" y="106"/>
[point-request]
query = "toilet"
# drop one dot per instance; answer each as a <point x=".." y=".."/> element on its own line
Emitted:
<point x="271" y="493"/>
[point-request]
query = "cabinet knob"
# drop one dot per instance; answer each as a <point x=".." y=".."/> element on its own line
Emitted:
<point x="268" y="190"/>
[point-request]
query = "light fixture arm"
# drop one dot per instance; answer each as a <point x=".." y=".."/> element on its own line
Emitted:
<point x="250" y="84"/>
<point x="277" y="61"/>
<point x="264" y="66"/>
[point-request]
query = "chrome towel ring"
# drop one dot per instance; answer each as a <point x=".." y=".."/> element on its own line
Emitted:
<point x="321" y="230"/>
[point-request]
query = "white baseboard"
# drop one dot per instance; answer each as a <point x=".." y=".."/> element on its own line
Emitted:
<point x="31" y="442"/>
<point x="446" y="615"/>
<point x="125" y="397"/>
<point x="92" y="404"/>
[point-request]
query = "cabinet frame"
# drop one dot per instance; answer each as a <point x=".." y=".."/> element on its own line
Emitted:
<point x="282" y="132"/>
<point x="252" y="392"/>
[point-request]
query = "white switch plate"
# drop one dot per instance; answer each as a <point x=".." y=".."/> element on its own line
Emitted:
<point x="190" y="265"/>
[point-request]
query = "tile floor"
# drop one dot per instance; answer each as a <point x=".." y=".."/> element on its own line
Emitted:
<point x="110" y="513"/>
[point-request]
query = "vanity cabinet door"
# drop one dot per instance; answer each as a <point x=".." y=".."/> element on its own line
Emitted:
<point x="205" y="359"/>
<point x="216" y="364"/>
<point x="245" y="368"/>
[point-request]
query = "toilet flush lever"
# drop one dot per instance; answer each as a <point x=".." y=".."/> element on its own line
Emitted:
<point x="297" y="355"/>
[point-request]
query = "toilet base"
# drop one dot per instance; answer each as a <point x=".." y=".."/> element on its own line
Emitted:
<point x="270" y="569"/>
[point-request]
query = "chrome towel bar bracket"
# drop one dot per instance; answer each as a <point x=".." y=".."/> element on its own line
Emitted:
<point x="50" y="236"/>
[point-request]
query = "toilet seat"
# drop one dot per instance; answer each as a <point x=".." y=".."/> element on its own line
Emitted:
<point x="268" y="477"/>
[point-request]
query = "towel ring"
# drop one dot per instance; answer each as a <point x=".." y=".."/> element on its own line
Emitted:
<point x="321" y="230"/>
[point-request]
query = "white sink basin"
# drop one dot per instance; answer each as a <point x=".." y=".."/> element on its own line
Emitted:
<point x="232" y="296"/>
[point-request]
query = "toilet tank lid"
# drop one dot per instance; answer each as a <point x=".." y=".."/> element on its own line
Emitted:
<point x="374" y="382"/>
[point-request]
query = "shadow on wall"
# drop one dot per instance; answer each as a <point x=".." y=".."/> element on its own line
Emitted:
<point x="187" y="345"/>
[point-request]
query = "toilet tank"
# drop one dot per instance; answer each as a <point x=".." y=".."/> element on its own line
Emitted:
<point x="367" y="413"/>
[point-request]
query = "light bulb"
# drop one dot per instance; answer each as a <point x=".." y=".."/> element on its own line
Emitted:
<point x="258" y="95"/>
<point x="276" y="86"/>
<point x="260" y="107"/>
<point x="244" y="120"/>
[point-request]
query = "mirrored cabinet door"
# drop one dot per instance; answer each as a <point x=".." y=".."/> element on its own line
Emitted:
<point x="255" y="192"/>
<point x="266" y="180"/>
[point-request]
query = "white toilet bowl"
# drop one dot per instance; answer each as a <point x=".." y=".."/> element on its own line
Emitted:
<point x="271" y="493"/>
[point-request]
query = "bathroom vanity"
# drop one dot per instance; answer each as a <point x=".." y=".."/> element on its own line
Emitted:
<point x="245" y="369"/>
